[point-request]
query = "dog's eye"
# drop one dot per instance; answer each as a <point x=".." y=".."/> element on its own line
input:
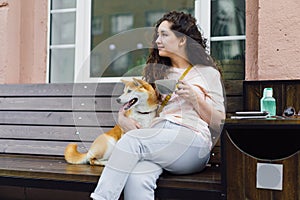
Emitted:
<point x="128" y="91"/>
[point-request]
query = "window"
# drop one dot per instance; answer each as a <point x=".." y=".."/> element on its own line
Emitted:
<point x="80" y="27"/>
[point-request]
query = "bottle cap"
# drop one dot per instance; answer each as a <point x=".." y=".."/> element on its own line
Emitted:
<point x="268" y="92"/>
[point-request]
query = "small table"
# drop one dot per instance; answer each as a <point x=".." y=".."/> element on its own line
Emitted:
<point x="247" y="143"/>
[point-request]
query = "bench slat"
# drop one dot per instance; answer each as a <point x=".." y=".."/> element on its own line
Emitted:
<point x="59" y="118"/>
<point x="49" y="168"/>
<point x="38" y="147"/>
<point x="60" y="104"/>
<point x="50" y="133"/>
<point x="62" y="89"/>
<point x="232" y="87"/>
<point x="57" y="148"/>
<point x="209" y="179"/>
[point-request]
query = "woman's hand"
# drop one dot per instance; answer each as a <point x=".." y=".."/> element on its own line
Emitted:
<point x="126" y="123"/>
<point x="187" y="92"/>
<point x="204" y="110"/>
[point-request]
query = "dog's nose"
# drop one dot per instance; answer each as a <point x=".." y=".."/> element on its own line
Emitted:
<point x="118" y="100"/>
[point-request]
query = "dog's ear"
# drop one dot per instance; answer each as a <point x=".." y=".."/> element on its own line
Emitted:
<point x="142" y="83"/>
<point x="124" y="81"/>
<point x="138" y="82"/>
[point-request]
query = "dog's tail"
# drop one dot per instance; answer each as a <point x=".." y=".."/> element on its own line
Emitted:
<point x="73" y="156"/>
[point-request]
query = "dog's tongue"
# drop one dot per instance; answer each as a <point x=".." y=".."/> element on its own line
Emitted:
<point x="126" y="106"/>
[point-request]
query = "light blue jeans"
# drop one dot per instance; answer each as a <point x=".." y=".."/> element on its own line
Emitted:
<point x="141" y="155"/>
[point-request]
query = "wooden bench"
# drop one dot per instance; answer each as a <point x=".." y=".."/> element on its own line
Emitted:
<point x="37" y="121"/>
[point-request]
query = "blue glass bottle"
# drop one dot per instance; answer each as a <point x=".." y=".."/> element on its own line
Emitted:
<point x="268" y="103"/>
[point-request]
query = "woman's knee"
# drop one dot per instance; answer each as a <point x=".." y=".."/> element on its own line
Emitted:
<point x="142" y="180"/>
<point x="140" y="185"/>
<point x="144" y="174"/>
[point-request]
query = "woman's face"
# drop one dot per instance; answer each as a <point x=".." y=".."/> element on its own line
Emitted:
<point x="168" y="44"/>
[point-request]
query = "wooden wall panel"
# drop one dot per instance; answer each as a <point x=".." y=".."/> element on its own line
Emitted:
<point x="293" y="97"/>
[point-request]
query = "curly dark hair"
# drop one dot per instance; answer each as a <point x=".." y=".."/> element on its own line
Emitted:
<point x="183" y="24"/>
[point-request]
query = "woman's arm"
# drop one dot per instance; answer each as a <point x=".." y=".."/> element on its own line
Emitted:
<point x="205" y="110"/>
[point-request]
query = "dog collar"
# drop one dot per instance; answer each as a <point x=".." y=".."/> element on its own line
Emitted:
<point x="145" y="113"/>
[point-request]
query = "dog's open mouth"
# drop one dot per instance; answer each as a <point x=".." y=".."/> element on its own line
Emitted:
<point x="130" y="103"/>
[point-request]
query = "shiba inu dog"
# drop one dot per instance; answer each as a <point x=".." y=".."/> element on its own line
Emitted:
<point x="140" y="103"/>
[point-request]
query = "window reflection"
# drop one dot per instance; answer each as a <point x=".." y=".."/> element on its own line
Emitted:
<point x="228" y="19"/>
<point x="63" y="28"/>
<point x="112" y="17"/>
<point x="152" y="17"/>
<point x="121" y="23"/>
<point x="62" y="65"/>
<point x="63" y="4"/>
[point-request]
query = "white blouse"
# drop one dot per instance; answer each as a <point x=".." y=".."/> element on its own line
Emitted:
<point x="181" y="112"/>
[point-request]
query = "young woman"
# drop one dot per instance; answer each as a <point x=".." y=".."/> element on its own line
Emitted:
<point x="179" y="141"/>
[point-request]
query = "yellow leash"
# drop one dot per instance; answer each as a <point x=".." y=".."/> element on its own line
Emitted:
<point x="168" y="97"/>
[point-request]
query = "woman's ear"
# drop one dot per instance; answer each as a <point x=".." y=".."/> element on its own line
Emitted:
<point x="182" y="41"/>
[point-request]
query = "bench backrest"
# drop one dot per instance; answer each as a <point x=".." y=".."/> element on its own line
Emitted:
<point x="41" y="119"/>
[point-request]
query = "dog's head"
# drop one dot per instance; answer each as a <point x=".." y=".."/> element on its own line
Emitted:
<point x="138" y="94"/>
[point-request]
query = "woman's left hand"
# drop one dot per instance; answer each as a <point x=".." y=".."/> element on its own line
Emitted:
<point x="127" y="123"/>
<point x="186" y="91"/>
